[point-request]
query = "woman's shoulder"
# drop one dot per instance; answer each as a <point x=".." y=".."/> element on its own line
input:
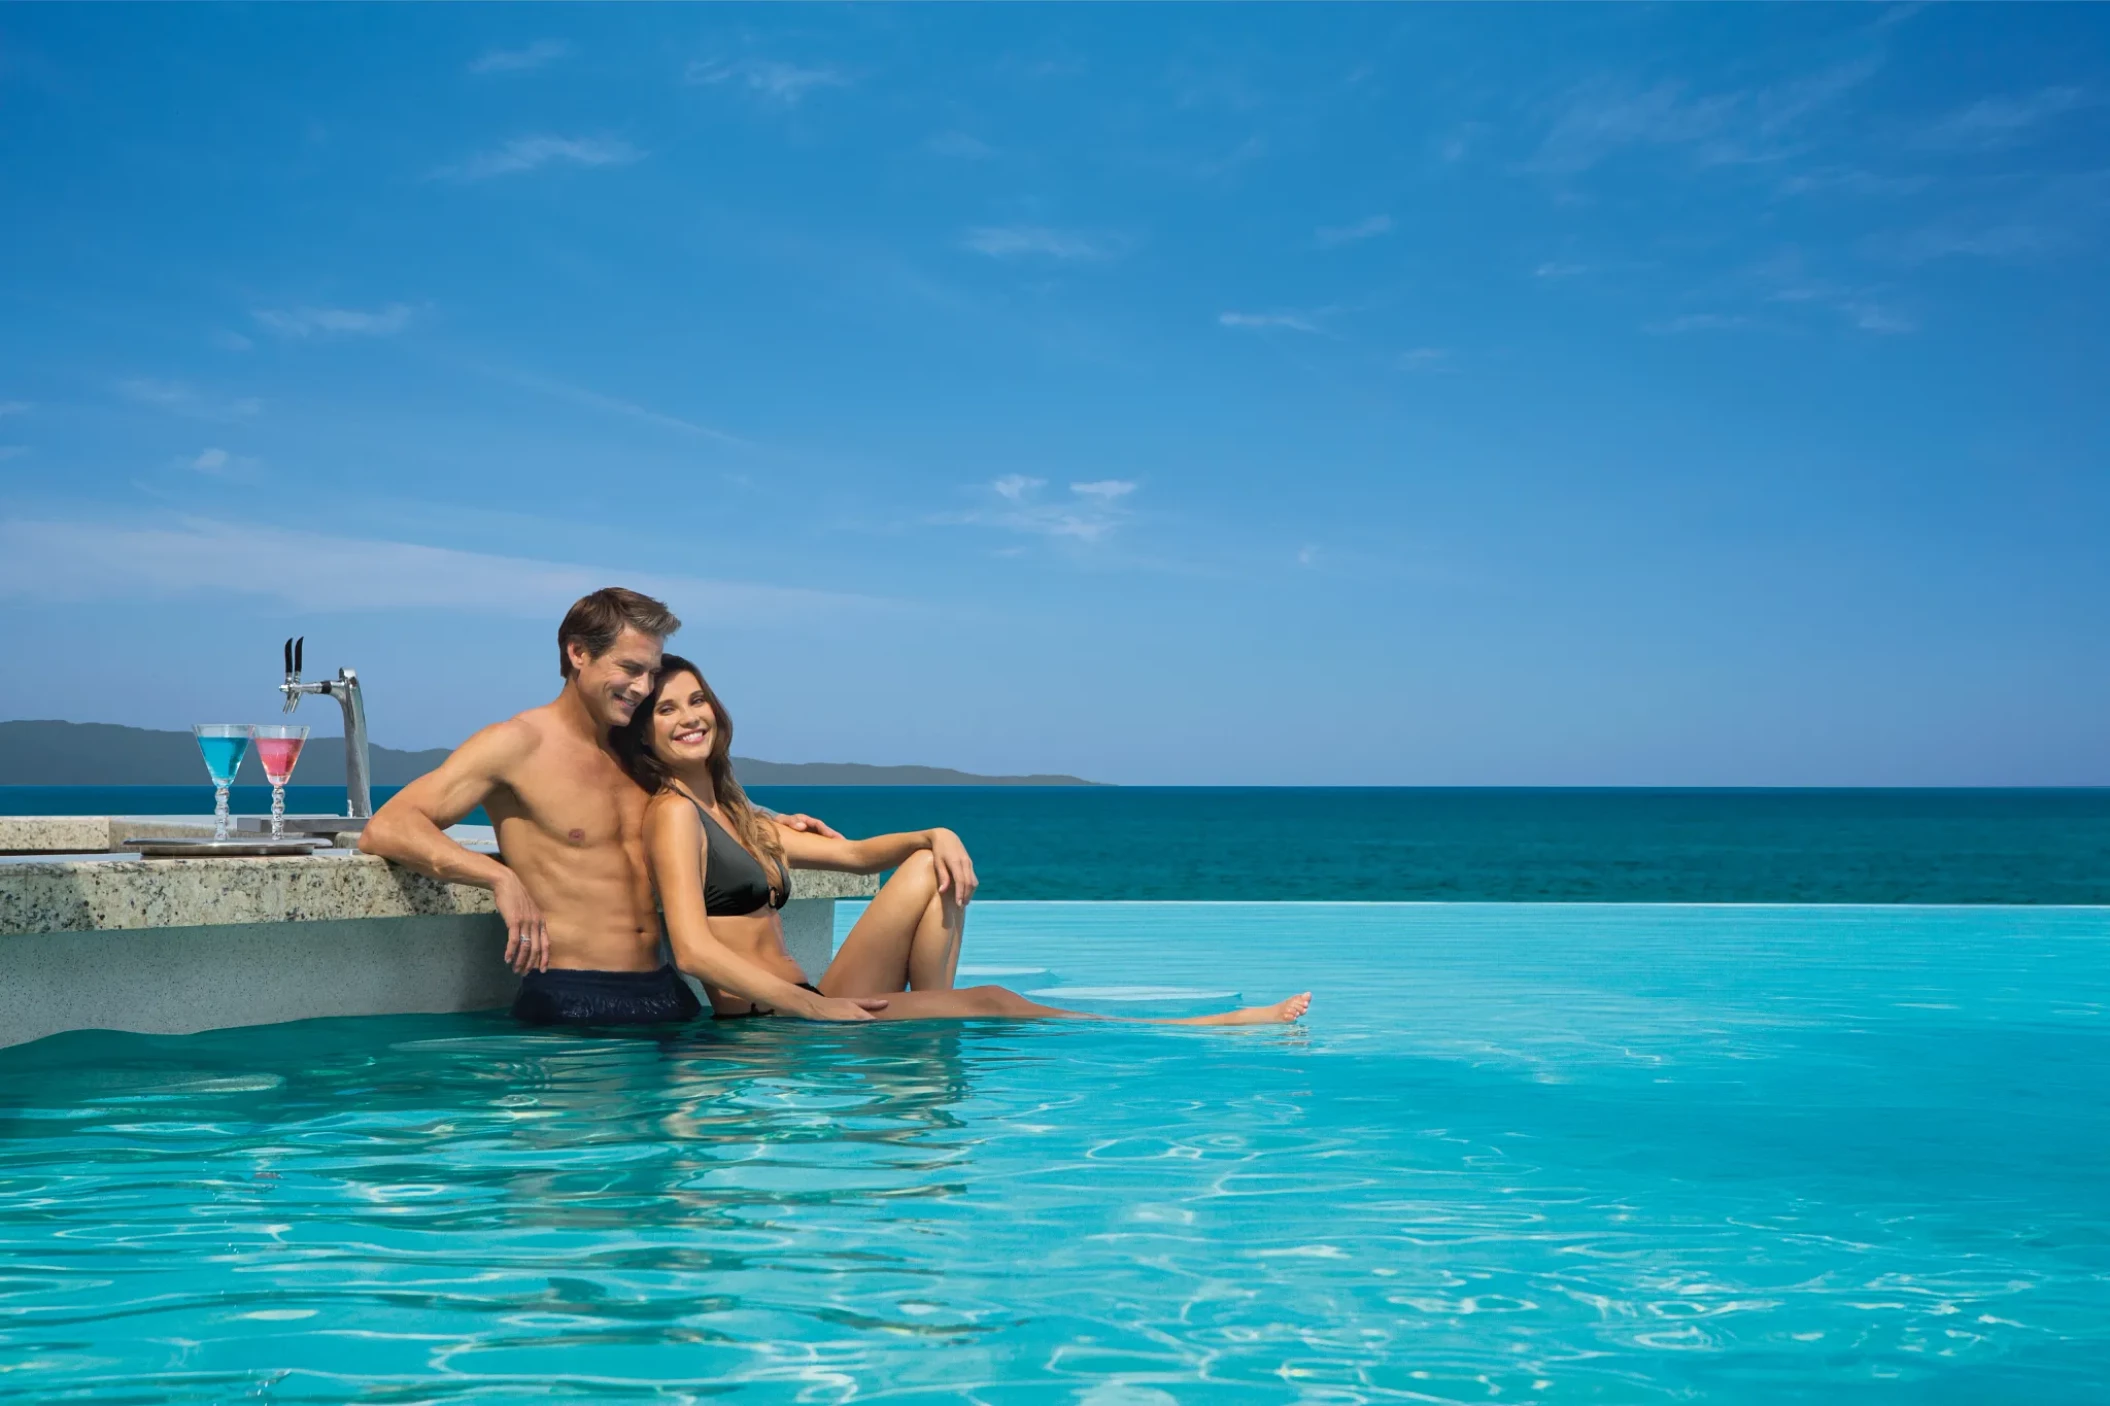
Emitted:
<point x="670" y="807"/>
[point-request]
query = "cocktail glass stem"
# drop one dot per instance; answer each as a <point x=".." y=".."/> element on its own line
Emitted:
<point x="278" y="812"/>
<point x="219" y="813"/>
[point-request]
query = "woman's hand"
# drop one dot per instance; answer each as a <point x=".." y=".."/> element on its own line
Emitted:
<point x="809" y="825"/>
<point x="842" y="1008"/>
<point x="955" y="868"/>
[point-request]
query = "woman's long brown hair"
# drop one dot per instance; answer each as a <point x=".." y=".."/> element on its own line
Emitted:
<point x="633" y="745"/>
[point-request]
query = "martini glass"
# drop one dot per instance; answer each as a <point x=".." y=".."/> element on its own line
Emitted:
<point x="278" y="748"/>
<point x="222" y="745"/>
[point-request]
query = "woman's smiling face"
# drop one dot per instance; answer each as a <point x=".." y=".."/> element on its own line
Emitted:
<point x="683" y="722"/>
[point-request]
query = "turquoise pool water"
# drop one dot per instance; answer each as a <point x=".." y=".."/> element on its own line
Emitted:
<point x="1519" y="1154"/>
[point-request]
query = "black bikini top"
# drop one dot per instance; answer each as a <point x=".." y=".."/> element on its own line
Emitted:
<point x="733" y="882"/>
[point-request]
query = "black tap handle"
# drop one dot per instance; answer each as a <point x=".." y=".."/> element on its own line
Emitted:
<point x="299" y="647"/>
<point x="289" y="657"/>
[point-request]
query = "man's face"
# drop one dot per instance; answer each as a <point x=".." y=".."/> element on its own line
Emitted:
<point x="616" y="683"/>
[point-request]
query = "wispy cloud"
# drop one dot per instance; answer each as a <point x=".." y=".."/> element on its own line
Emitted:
<point x="531" y="153"/>
<point x="1992" y="123"/>
<point x="779" y="82"/>
<point x="1697" y="322"/>
<point x="177" y="398"/>
<point x="218" y="463"/>
<point x="1333" y="238"/>
<point x="314" y="322"/>
<point x="89" y="560"/>
<point x="1090" y="513"/>
<point x="1265" y="321"/>
<point x="960" y="146"/>
<point x="613" y="405"/>
<point x="13" y="451"/>
<point x="1606" y="116"/>
<point x="523" y="60"/>
<point x="228" y="340"/>
<point x="1553" y="269"/>
<point x="1424" y="359"/>
<point x="1038" y="241"/>
<point x="14" y="407"/>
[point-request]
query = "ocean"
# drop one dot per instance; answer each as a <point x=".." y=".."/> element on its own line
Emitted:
<point x="1401" y="844"/>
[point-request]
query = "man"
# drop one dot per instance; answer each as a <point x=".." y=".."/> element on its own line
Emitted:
<point x="574" y="889"/>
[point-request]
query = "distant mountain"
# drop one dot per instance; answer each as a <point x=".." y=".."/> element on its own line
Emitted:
<point x="105" y="754"/>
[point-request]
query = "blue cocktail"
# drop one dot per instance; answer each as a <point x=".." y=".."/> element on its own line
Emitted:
<point x="223" y="745"/>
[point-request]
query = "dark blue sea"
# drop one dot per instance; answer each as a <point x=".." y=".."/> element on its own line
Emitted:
<point x="1245" y="844"/>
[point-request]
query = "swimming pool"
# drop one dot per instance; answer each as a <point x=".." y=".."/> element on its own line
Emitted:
<point x="1520" y="1153"/>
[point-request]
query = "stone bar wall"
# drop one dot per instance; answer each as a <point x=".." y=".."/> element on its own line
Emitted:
<point x="178" y="945"/>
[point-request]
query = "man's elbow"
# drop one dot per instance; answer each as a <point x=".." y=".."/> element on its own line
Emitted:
<point x="378" y="837"/>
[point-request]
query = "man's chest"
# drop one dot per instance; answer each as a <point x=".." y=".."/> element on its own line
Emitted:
<point x="585" y="803"/>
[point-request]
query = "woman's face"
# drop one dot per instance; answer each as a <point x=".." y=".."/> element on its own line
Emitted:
<point x="683" y="721"/>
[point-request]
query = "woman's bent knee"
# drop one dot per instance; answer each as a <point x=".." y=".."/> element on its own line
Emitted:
<point x="917" y="874"/>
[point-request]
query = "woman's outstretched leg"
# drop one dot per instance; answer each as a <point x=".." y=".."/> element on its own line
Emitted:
<point x="907" y="939"/>
<point x="997" y="1002"/>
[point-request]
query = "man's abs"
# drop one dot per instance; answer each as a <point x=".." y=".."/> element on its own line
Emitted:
<point x="596" y="900"/>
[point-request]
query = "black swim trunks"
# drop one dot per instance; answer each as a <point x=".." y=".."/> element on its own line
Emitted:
<point x="761" y="1010"/>
<point x="568" y="996"/>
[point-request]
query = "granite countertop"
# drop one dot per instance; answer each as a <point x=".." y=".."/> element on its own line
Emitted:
<point x="91" y="892"/>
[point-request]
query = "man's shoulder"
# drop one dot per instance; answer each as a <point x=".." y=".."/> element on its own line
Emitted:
<point x="513" y="740"/>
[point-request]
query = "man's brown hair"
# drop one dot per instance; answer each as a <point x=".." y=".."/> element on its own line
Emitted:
<point x="594" y="621"/>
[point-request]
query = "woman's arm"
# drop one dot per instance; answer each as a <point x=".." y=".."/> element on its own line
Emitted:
<point x="674" y="842"/>
<point x="955" y="868"/>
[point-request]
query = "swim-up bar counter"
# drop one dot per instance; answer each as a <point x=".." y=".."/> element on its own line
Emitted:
<point x="95" y="938"/>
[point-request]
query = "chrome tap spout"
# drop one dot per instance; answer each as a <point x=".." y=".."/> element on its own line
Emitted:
<point x="358" y="771"/>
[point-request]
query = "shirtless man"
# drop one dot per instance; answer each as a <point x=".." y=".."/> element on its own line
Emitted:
<point x="581" y="924"/>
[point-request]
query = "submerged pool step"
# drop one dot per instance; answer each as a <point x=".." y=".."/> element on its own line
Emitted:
<point x="1136" y="1000"/>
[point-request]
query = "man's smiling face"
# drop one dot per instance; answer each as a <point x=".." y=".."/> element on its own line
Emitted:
<point x="615" y="684"/>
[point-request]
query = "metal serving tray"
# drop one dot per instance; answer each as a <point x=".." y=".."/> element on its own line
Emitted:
<point x="233" y="847"/>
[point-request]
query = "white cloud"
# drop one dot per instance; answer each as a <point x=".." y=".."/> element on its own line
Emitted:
<point x="1091" y="513"/>
<point x="959" y="144"/>
<point x="1603" y="117"/>
<point x="14" y="407"/>
<point x="13" y="451"/>
<point x="78" y="561"/>
<point x="227" y="340"/>
<point x="179" y="399"/>
<point x="1289" y="321"/>
<point x="1014" y="241"/>
<point x="210" y="461"/>
<point x="1696" y="322"/>
<point x="1884" y="322"/>
<point x="1992" y="123"/>
<point x="1557" y="270"/>
<point x="309" y="322"/>
<point x="1424" y="359"/>
<point x="779" y="82"/>
<point x="1349" y="234"/>
<point x="534" y="56"/>
<point x="529" y="153"/>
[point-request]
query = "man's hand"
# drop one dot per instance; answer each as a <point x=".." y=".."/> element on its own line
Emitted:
<point x="527" y="936"/>
<point x="955" y="869"/>
<point x="810" y="826"/>
<point x="845" y="1008"/>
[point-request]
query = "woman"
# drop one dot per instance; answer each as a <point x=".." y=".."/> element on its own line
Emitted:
<point x="723" y="870"/>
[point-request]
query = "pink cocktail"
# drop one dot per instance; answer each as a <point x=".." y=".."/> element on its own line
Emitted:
<point x="278" y="748"/>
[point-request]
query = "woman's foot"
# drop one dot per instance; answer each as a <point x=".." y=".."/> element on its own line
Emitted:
<point x="1281" y="1013"/>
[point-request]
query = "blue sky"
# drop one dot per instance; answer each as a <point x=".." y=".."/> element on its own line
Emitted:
<point x="1291" y="395"/>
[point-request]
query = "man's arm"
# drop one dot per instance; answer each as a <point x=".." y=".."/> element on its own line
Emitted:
<point x="410" y="831"/>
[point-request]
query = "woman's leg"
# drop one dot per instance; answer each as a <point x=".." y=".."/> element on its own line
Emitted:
<point x="908" y="938"/>
<point x="995" y="1002"/>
